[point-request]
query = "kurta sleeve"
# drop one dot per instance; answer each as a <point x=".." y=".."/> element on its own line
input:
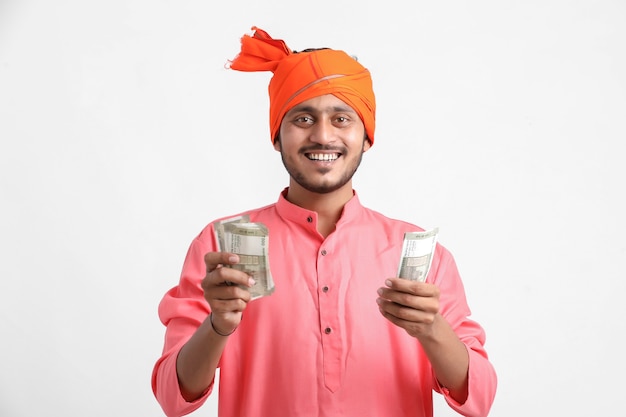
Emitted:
<point x="482" y="380"/>
<point x="182" y="310"/>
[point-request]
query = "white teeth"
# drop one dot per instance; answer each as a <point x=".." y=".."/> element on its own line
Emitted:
<point x="323" y="156"/>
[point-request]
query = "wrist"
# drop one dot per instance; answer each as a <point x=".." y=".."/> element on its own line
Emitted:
<point x="217" y="331"/>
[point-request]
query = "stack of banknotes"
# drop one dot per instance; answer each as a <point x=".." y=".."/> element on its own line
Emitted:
<point x="250" y="241"/>
<point x="418" y="249"/>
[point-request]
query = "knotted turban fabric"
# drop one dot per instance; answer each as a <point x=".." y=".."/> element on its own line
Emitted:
<point x="299" y="76"/>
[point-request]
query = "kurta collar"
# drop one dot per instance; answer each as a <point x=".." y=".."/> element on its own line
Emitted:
<point x="297" y="214"/>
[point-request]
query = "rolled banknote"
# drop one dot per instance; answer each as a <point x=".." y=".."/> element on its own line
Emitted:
<point x="251" y="242"/>
<point x="417" y="254"/>
<point x="219" y="229"/>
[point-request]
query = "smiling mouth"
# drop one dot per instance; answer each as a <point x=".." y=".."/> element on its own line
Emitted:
<point x="325" y="157"/>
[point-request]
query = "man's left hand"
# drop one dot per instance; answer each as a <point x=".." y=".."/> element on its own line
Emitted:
<point x="411" y="305"/>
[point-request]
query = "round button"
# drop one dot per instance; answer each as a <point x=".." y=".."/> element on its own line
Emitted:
<point x="324" y="252"/>
<point x="309" y="219"/>
<point x="327" y="330"/>
<point x="325" y="289"/>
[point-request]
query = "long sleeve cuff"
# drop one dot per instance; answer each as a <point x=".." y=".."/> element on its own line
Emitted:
<point x="482" y="383"/>
<point x="167" y="389"/>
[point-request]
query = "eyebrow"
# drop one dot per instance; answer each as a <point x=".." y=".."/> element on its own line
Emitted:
<point x="311" y="109"/>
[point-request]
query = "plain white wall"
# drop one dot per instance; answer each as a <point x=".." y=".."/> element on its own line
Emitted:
<point x="500" y="122"/>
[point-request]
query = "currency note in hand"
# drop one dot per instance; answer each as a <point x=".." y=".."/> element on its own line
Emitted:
<point x="251" y="242"/>
<point x="417" y="254"/>
<point x="219" y="229"/>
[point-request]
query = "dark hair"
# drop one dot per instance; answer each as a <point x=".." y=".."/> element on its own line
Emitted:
<point x="309" y="50"/>
<point x="318" y="49"/>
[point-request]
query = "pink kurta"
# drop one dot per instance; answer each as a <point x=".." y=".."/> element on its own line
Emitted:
<point x="318" y="346"/>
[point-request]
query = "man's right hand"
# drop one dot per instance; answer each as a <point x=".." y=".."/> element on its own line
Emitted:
<point x="225" y="290"/>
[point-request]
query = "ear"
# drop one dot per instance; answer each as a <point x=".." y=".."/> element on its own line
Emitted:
<point x="366" y="145"/>
<point x="277" y="144"/>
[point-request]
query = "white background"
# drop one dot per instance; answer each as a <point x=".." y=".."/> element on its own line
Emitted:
<point x="122" y="135"/>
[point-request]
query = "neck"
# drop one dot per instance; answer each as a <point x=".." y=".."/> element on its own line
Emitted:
<point x="328" y="206"/>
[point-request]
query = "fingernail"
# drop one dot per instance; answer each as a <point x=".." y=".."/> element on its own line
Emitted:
<point x="388" y="283"/>
<point x="251" y="282"/>
<point x="233" y="259"/>
<point x="380" y="291"/>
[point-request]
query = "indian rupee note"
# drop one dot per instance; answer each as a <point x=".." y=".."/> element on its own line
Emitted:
<point x="251" y="242"/>
<point x="219" y="229"/>
<point x="417" y="254"/>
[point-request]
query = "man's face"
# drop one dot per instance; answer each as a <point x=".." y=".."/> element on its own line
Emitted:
<point x="321" y="142"/>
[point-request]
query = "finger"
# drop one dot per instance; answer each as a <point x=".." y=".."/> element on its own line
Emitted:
<point x="429" y="303"/>
<point x="214" y="259"/>
<point x="227" y="277"/>
<point x="402" y="315"/>
<point x="413" y="327"/>
<point x="225" y="298"/>
<point x="227" y="302"/>
<point x="412" y="287"/>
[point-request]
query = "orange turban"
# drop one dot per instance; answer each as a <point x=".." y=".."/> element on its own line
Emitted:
<point x="301" y="76"/>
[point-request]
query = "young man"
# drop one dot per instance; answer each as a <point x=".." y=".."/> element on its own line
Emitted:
<point x="341" y="335"/>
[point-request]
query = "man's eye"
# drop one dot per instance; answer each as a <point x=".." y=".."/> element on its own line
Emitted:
<point x="304" y="119"/>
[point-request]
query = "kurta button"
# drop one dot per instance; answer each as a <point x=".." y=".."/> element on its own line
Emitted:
<point x="309" y="219"/>
<point x="327" y="330"/>
<point x="324" y="252"/>
<point x="325" y="289"/>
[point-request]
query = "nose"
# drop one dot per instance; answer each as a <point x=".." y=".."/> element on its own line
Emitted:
<point x="322" y="132"/>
